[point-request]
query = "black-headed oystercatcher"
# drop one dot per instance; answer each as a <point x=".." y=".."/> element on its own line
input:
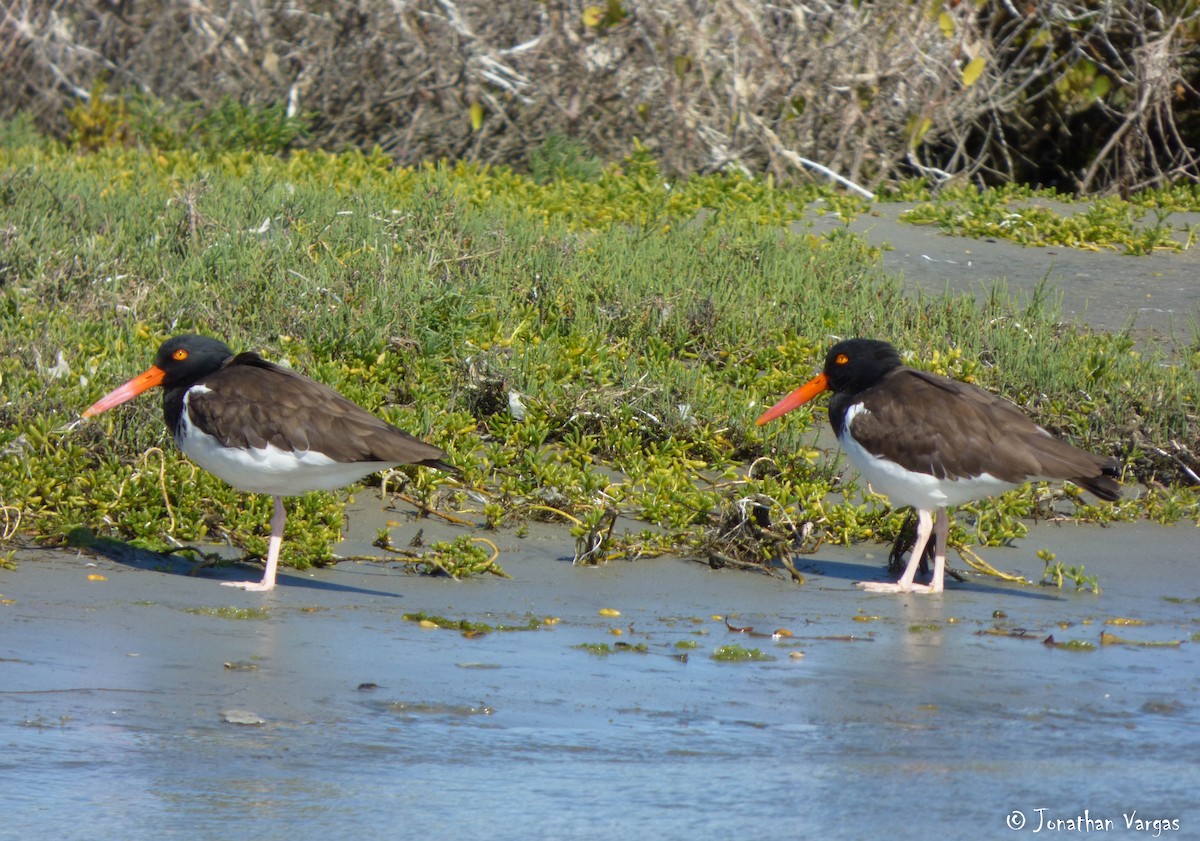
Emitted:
<point x="267" y="429"/>
<point x="931" y="442"/>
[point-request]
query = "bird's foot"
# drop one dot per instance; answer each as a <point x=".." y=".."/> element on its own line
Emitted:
<point x="887" y="587"/>
<point x="250" y="586"/>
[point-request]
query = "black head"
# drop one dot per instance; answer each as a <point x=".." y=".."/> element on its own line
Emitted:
<point x="179" y="362"/>
<point x="850" y="367"/>
<point x="856" y="364"/>
<point x="185" y="359"/>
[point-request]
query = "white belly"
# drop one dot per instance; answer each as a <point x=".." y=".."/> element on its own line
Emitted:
<point x="270" y="470"/>
<point x="921" y="490"/>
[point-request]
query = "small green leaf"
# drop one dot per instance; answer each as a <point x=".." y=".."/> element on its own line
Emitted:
<point x="973" y="70"/>
<point x="946" y="24"/>
<point x="917" y="127"/>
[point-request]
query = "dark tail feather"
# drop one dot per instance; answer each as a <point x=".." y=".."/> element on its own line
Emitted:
<point x="1104" y="485"/>
<point x="440" y="465"/>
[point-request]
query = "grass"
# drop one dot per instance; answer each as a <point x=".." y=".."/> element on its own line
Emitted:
<point x="640" y="325"/>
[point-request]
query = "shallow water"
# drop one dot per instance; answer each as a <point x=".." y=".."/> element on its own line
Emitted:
<point x="113" y="696"/>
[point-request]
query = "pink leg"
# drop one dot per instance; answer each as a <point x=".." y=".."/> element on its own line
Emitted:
<point x="940" y="532"/>
<point x="278" y="519"/>
<point x="925" y="526"/>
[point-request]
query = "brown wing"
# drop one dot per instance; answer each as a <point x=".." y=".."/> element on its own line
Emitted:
<point x="253" y="403"/>
<point x="954" y="430"/>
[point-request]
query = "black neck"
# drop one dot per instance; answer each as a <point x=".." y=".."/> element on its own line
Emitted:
<point x="839" y="405"/>
<point x="173" y="409"/>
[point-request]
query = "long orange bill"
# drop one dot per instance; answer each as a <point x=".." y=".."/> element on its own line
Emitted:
<point x="149" y="379"/>
<point x="796" y="399"/>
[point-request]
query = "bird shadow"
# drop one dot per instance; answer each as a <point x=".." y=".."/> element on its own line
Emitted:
<point x="856" y="572"/>
<point x="189" y="561"/>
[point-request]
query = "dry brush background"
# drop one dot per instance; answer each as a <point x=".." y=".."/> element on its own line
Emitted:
<point x="1082" y="95"/>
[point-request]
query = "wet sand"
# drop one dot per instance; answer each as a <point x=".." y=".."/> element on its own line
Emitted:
<point x="122" y="677"/>
<point x="880" y="717"/>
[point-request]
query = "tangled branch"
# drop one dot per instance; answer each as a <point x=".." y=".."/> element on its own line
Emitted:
<point x="1084" y="96"/>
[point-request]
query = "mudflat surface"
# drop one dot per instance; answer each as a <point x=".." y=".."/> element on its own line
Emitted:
<point x="137" y="701"/>
<point x="1158" y="294"/>
<point x="879" y="717"/>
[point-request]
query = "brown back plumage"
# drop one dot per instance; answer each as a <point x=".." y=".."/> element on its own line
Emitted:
<point x="262" y="403"/>
<point x="952" y="429"/>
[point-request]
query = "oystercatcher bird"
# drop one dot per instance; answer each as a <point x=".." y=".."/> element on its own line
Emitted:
<point x="932" y="442"/>
<point x="267" y="429"/>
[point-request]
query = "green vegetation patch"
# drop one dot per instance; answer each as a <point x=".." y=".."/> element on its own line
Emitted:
<point x="1056" y="573"/>
<point x="234" y="613"/>
<point x="470" y="628"/>
<point x="1044" y="217"/>
<point x="591" y="352"/>
<point x="739" y="654"/>
<point x="459" y="558"/>
<point x="1069" y="645"/>
<point x="603" y="649"/>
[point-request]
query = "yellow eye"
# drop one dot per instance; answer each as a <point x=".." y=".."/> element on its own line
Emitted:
<point x="841" y="359"/>
<point x="179" y="355"/>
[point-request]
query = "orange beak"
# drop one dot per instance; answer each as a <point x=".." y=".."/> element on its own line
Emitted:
<point x="153" y="376"/>
<point x="796" y="399"/>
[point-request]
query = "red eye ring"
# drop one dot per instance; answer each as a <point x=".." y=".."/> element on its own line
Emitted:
<point x="179" y="355"/>
<point x="841" y="359"/>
